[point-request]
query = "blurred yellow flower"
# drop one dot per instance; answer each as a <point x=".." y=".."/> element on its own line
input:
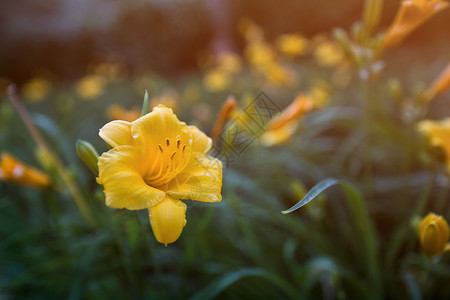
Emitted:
<point x="229" y="62"/>
<point x="36" y="89"/>
<point x="440" y="84"/>
<point x="292" y="44"/>
<point x="259" y="54"/>
<point x="328" y="53"/>
<point x="433" y="234"/>
<point x="117" y="112"/>
<point x="90" y="87"/>
<point x="16" y="171"/>
<point x="319" y="93"/>
<point x="282" y="127"/>
<point x="168" y="98"/>
<point x="155" y="161"/>
<point x="411" y="14"/>
<point x="439" y="134"/>
<point x="217" y="80"/>
<point x="249" y="29"/>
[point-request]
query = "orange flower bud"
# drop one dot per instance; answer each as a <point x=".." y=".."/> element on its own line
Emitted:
<point x="15" y="171"/>
<point x="224" y="115"/>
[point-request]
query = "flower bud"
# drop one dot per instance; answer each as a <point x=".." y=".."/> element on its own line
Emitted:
<point x="433" y="234"/>
<point x="87" y="153"/>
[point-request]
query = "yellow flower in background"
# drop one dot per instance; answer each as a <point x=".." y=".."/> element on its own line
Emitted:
<point x="90" y="87"/>
<point x="433" y="234"/>
<point x="249" y="29"/>
<point x="36" y="89"/>
<point x="328" y="53"/>
<point x="217" y="80"/>
<point x="411" y="14"/>
<point x="117" y="112"/>
<point x="229" y="62"/>
<point x="319" y="93"/>
<point x="440" y="84"/>
<point x="439" y="134"/>
<point x="292" y="44"/>
<point x="168" y="98"/>
<point x="16" y="171"/>
<point x="259" y="54"/>
<point x="282" y="127"/>
<point x="154" y="162"/>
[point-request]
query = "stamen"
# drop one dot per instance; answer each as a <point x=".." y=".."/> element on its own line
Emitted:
<point x="167" y="142"/>
<point x="184" y="148"/>
<point x="173" y="154"/>
<point x="160" y="148"/>
<point x="178" y="143"/>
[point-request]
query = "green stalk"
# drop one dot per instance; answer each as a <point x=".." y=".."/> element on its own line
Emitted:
<point x="66" y="177"/>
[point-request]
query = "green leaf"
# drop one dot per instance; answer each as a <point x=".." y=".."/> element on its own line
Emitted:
<point x="212" y="290"/>
<point x="145" y="105"/>
<point x="313" y="193"/>
<point x="363" y="222"/>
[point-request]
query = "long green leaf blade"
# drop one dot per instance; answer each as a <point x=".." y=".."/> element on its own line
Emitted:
<point x="313" y="193"/>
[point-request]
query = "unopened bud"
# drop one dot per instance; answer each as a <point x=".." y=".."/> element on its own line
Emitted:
<point x="87" y="153"/>
<point x="433" y="234"/>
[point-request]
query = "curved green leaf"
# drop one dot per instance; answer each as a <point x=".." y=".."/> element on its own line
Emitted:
<point x="313" y="193"/>
<point x="215" y="288"/>
<point x="362" y="221"/>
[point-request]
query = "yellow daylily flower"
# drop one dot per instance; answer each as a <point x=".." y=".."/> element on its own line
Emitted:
<point x="117" y="112"/>
<point x="433" y="234"/>
<point x="411" y="14"/>
<point x="439" y="134"/>
<point x="292" y="44"/>
<point x="282" y="127"/>
<point x="90" y="87"/>
<point x="440" y="84"/>
<point x="168" y="98"/>
<point x="229" y="62"/>
<point x="328" y="53"/>
<point x="154" y="162"/>
<point x="217" y="80"/>
<point x="36" y="89"/>
<point x="16" y="171"/>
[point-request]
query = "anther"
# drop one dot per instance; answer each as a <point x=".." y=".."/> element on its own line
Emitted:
<point x="167" y="142"/>
<point x="184" y="148"/>
<point x="173" y="154"/>
<point x="160" y="148"/>
<point x="178" y="143"/>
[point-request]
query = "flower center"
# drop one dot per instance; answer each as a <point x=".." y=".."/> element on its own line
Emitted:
<point x="172" y="155"/>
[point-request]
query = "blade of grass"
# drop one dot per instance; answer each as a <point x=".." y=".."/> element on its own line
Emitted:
<point x="363" y="221"/>
<point x="214" y="289"/>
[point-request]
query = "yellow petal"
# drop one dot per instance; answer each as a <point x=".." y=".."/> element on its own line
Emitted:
<point x="280" y="135"/>
<point x="121" y="172"/>
<point x="411" y="14"/>
<point x="440" y="84"/>
<point x="155" y="127"/>
<point x="201" y="142"/>
<point x="168" y="219"/>
<point x="201" y="180"/>
<point x="117" y="133"/>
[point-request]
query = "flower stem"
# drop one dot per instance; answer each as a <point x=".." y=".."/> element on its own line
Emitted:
<point x="69" y="181"/>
